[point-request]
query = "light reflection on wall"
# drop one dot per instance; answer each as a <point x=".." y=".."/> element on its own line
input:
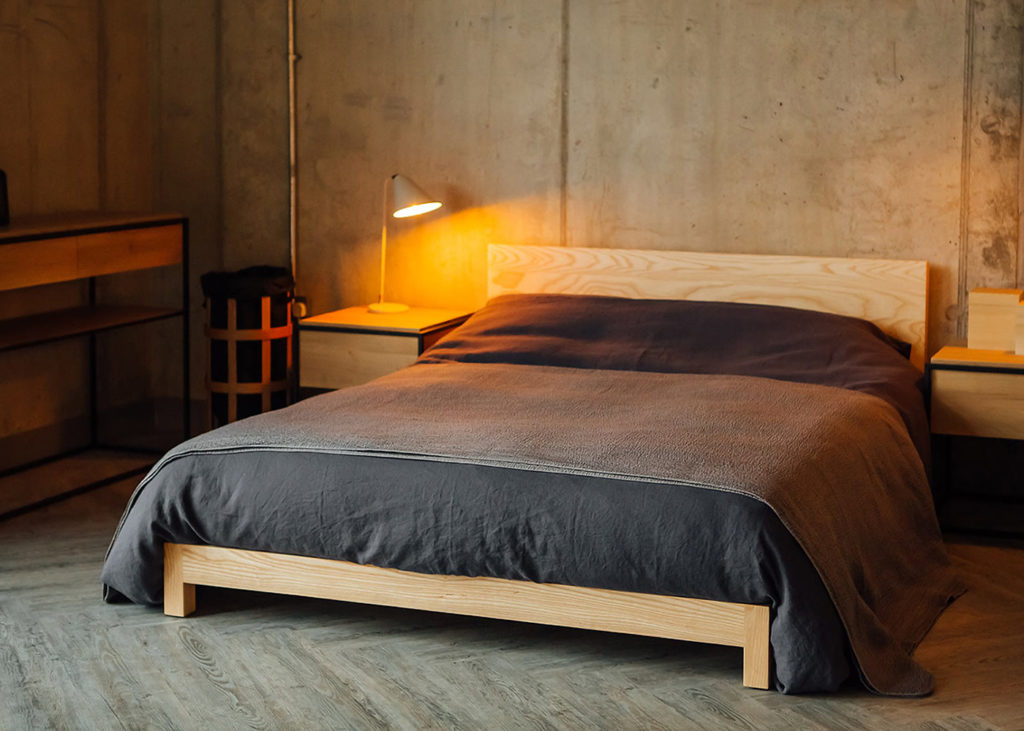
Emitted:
<point x="441" y="260"/>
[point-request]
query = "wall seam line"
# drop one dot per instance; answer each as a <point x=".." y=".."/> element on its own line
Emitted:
<point x="218" y="85"/>
<point x="154" y="23"/>
<point x="1020" y="168"/>
<point x="563" y="215"/>
<point x="965" y="173"/>
<point x="102" y="62"/>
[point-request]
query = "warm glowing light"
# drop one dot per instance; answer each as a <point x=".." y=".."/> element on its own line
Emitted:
<point x="408" y="200"/>
<point x="444" y="258"/>
<point x="417" y="209"/>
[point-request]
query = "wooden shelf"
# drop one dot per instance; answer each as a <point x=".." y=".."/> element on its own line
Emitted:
<point x="58" y="324"/>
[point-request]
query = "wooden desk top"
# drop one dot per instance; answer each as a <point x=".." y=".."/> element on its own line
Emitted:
<point x="30" y="228"/>
<point x="46" y="249"/>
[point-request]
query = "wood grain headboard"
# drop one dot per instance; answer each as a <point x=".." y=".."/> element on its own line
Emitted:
<point x="891" y="293"/>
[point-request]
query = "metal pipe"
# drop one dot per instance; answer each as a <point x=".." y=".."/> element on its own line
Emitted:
<point x="293" y="183"/>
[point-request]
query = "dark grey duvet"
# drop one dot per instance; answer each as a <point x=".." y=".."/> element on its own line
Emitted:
<point x="661" y="447"/>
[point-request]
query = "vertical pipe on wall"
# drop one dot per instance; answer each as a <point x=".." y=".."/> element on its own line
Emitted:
<point x="563" y="215"/>
<point x="298" y="303"/>
<point x="293" y="218"/>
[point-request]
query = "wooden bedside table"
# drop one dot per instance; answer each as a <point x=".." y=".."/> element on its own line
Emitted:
<point x="977" y="409"/>
<point x="352" y="346"/>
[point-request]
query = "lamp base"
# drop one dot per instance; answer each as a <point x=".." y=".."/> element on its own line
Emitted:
<point x="387" y="308"/>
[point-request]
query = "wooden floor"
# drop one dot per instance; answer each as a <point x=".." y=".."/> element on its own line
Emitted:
<point x="244" y="660"/>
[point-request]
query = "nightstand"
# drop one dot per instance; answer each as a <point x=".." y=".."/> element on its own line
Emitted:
<point x="352" y="346"/>
<point x="977" y="413"/>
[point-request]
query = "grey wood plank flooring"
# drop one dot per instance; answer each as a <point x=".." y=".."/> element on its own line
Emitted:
<point x="260" y="661"/>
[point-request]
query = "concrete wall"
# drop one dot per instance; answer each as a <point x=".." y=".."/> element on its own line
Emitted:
<point x="253" y="99"/>
<point x="463" y="97"/>
<point x="184" y="73"/>
<point x="837" y="128"/>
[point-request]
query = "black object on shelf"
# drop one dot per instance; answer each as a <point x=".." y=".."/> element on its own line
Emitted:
<point x="249" y="325"/>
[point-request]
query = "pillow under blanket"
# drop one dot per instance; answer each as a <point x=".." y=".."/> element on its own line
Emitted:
<point x="684" y="336"/>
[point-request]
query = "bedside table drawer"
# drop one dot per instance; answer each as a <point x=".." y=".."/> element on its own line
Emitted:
<point x="339" y="359"/>
<point x="978" y="404"/>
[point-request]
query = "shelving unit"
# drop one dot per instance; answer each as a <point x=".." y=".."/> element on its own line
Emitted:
<point x="51" y="249"/>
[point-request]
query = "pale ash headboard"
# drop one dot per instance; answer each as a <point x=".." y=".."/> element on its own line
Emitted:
<point x="891" y="293"/>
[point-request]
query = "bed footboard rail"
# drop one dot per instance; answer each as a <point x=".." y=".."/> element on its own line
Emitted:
<point x="651" y="615"/>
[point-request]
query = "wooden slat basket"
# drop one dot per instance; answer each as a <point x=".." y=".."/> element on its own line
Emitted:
<point x="250" y="356"/>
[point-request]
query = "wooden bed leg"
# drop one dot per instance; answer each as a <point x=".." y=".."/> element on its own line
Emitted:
<point x="179" y="597"/>
<point x="756" y="647"/>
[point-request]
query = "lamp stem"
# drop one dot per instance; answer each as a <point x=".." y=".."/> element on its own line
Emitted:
<point x="383" y="237"/>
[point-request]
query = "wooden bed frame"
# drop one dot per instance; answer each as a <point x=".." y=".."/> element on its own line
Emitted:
<point x="890" y="293"/>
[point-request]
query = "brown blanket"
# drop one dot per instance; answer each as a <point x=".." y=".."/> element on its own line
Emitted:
<point x="836" y="466"/>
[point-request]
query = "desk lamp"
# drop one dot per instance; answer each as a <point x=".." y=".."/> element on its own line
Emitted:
<point x="407" y="200"/>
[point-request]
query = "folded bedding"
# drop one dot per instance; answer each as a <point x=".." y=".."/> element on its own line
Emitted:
<point x="554" y="450"/>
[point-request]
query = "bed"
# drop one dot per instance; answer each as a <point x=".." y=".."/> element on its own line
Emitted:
<point x="704" y="447"/>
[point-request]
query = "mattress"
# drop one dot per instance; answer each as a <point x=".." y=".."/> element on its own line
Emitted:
<point x="650" y="479"/>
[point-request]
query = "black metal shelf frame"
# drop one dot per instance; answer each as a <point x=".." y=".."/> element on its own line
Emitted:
<point x="94" y="441"/>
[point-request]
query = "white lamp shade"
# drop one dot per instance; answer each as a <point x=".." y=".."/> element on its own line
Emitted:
<point x="408" y="199"/>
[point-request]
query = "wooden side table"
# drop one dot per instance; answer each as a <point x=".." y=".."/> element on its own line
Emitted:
<point x="977" y="411"/>
<point x="352" y="346"/>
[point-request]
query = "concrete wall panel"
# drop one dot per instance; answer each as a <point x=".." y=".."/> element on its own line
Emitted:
<point x="254" y="109"/>
<point x="187" y="158"/>
<point x="15" y="116"/>
<point x="50" y="116"/>
<point x="461" y="96"/>
<point x="829" y="128"/>
<point x="126" y="132"/>
<point x="834" y="128"/>
<point x="991" y="203"/>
